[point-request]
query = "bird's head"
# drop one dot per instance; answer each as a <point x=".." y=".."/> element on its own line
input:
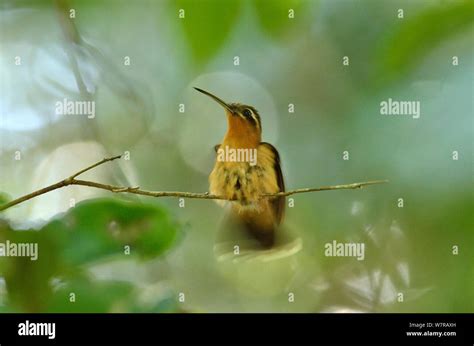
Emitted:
<point x="244" y="125"/>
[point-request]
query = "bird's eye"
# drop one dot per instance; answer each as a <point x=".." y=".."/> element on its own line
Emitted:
<point x="247" y="112"/>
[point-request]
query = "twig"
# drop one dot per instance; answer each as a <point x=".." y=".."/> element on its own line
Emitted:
<point x="95" y="165"/>
<point x="58" y="185"/>
<point x="327" y="188"/>
<point x="136" y="190"/>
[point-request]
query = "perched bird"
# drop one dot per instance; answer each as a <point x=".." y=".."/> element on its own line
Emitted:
<point x="245" y="181"/>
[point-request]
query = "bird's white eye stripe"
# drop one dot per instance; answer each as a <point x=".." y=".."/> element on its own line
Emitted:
<point x="248" y="113"/>
<point x="255" y="119"/>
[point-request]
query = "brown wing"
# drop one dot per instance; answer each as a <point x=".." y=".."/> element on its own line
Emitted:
<point x="279" y="202"/>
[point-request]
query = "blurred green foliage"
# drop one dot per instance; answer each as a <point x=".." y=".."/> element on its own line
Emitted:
<point x="207" y="24"/>
<point x="93" y="230"/>
<point x="273" y="16"/>
<point x="411" y="42"/>
<point x="4" y="198"/>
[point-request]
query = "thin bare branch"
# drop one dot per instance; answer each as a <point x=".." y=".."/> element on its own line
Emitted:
<point x="95" y="165"/>
<point x="58" y="185"/>
<point x="136" y="190"/>
<point x="328" y="188"/>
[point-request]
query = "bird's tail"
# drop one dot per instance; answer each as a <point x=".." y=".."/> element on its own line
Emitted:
<point x="236" y="240"/>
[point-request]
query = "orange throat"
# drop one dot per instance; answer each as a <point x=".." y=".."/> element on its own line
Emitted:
<point x="241" y="134"/>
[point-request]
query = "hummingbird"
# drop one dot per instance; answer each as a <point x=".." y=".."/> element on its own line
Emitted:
<point x="245" y="182"/>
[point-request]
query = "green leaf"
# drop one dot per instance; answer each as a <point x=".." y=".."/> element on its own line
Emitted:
<point x="207" y="24"/>
<point x="86" y="233"/>
<point x="102" y="227"/>
<point x="273" y="15"/>
<point x="28" y="279"/>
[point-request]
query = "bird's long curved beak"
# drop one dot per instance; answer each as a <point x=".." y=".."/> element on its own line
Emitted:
<point x="215" y="98"/>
